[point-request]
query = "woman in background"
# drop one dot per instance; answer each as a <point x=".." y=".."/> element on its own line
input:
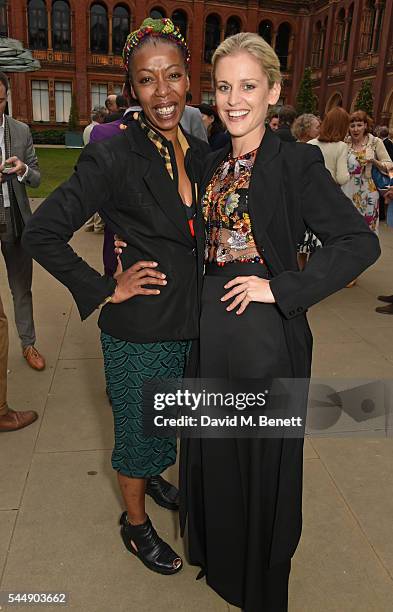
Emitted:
<point x="333" y="131"/>
<point x="364" y="152"/>
<point x="305" y="127"/>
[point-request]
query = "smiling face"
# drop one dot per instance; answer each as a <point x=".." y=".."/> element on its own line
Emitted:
<point x="243" y="96"/>
<point x="159" y="82"/>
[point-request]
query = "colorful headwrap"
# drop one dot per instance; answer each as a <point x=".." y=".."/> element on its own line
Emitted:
<point x="160" y="28"/>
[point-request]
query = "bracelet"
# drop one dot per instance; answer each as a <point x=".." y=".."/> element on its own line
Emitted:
<point x="107" y="300"/>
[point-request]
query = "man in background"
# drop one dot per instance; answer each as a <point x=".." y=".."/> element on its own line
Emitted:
<point x="18" y="169"/>
<point x="10" y="420"/>
<point x="286" y="115"/>
<point x="384" y="135"/>
<point x="98" y="114"/>
<point x="273" y="119"/>
<point x="116" y="108"/>
<point x="192" y="122"/>
<point x="388" y="299"/>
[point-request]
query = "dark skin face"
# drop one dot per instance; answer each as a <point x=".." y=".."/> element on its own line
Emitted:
<point x="159" y="82"/>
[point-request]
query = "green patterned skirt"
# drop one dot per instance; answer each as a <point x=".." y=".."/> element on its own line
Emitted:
<point x="127" y="367"/>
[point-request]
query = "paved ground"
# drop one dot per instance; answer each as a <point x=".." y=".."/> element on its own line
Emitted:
<point x="59" y="502"/>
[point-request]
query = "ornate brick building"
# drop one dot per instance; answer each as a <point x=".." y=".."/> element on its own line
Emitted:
<point x="79" y="44"/>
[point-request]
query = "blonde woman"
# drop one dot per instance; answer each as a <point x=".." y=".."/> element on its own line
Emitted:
<point x="242" y="497"/>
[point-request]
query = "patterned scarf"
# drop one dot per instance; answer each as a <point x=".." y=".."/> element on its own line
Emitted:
<point x="160" y="142"/>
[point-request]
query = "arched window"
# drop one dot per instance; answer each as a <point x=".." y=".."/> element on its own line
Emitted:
<point x="315" y="59"/>
<point x="157" y="13"/>
<point x="266" y="31"/>
<point x="212" y="37"/>
<point x="319" y="40"/>
<point x="378" y="26"/>
<point x="282" y="44"/>
<point x="61" y="26"/>
<point x="98" y="29"/>
<point x="348" y="31"/>
<point x="233" y="26"/>
<point x="120" y="29"/>
<point x="371" y="26"/>
<point x="339" y="37"/>
<point x="179" y="18"/>
<point x="3" y="19"/>
<point x="38" y="24"/>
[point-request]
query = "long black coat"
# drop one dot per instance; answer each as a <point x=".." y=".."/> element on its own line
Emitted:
<point x="290" y="189"/>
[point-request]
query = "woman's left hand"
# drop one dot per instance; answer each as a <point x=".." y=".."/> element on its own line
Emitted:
<point x="248" y="289"/>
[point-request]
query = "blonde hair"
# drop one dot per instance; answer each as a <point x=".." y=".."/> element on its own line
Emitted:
<point x="256" y="46"/>
<point x="302" y="126"/>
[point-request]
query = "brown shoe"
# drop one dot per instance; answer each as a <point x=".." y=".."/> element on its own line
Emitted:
<point x="385" y="298"/>
<point x="33" y="358"/>
<point x="13" y="420"/>
<point x="385" y="309"/>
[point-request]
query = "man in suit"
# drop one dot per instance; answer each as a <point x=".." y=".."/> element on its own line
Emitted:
<point x="192" y="122"/>
<point x="116" y="108"/>
<point x="19" y="168"/>
<point x="10" y="420"/>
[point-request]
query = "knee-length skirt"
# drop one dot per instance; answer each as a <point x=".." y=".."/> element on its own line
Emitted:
<point x="127" y="367"/>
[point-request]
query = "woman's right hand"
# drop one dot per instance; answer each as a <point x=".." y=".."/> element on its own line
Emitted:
<point x="131" y="281"/>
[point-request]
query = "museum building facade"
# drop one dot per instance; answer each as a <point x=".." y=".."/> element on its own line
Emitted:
<point x="79" y="44"/>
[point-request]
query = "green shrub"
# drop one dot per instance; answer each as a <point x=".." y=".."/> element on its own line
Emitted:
<point x="50" y="137"/>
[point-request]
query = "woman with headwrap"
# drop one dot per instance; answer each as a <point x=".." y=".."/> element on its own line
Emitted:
<point x="143" y="184"/>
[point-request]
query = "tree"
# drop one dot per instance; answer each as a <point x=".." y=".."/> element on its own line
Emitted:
<point x="306" y="101"/>
<point x="73" y="122"/>
<point x="365" y="99"/>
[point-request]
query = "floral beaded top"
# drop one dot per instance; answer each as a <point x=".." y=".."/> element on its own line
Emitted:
<point x="229" y="235"/>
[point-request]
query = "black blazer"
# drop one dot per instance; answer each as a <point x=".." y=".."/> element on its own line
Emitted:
<point x="291" y="189"/>
<point x="125" y="180"/>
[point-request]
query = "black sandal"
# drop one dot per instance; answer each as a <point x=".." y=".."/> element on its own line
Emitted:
<point x="156" y="554"/>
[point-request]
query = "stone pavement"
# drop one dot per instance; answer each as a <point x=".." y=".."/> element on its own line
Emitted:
<point x="59" y="503"/>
